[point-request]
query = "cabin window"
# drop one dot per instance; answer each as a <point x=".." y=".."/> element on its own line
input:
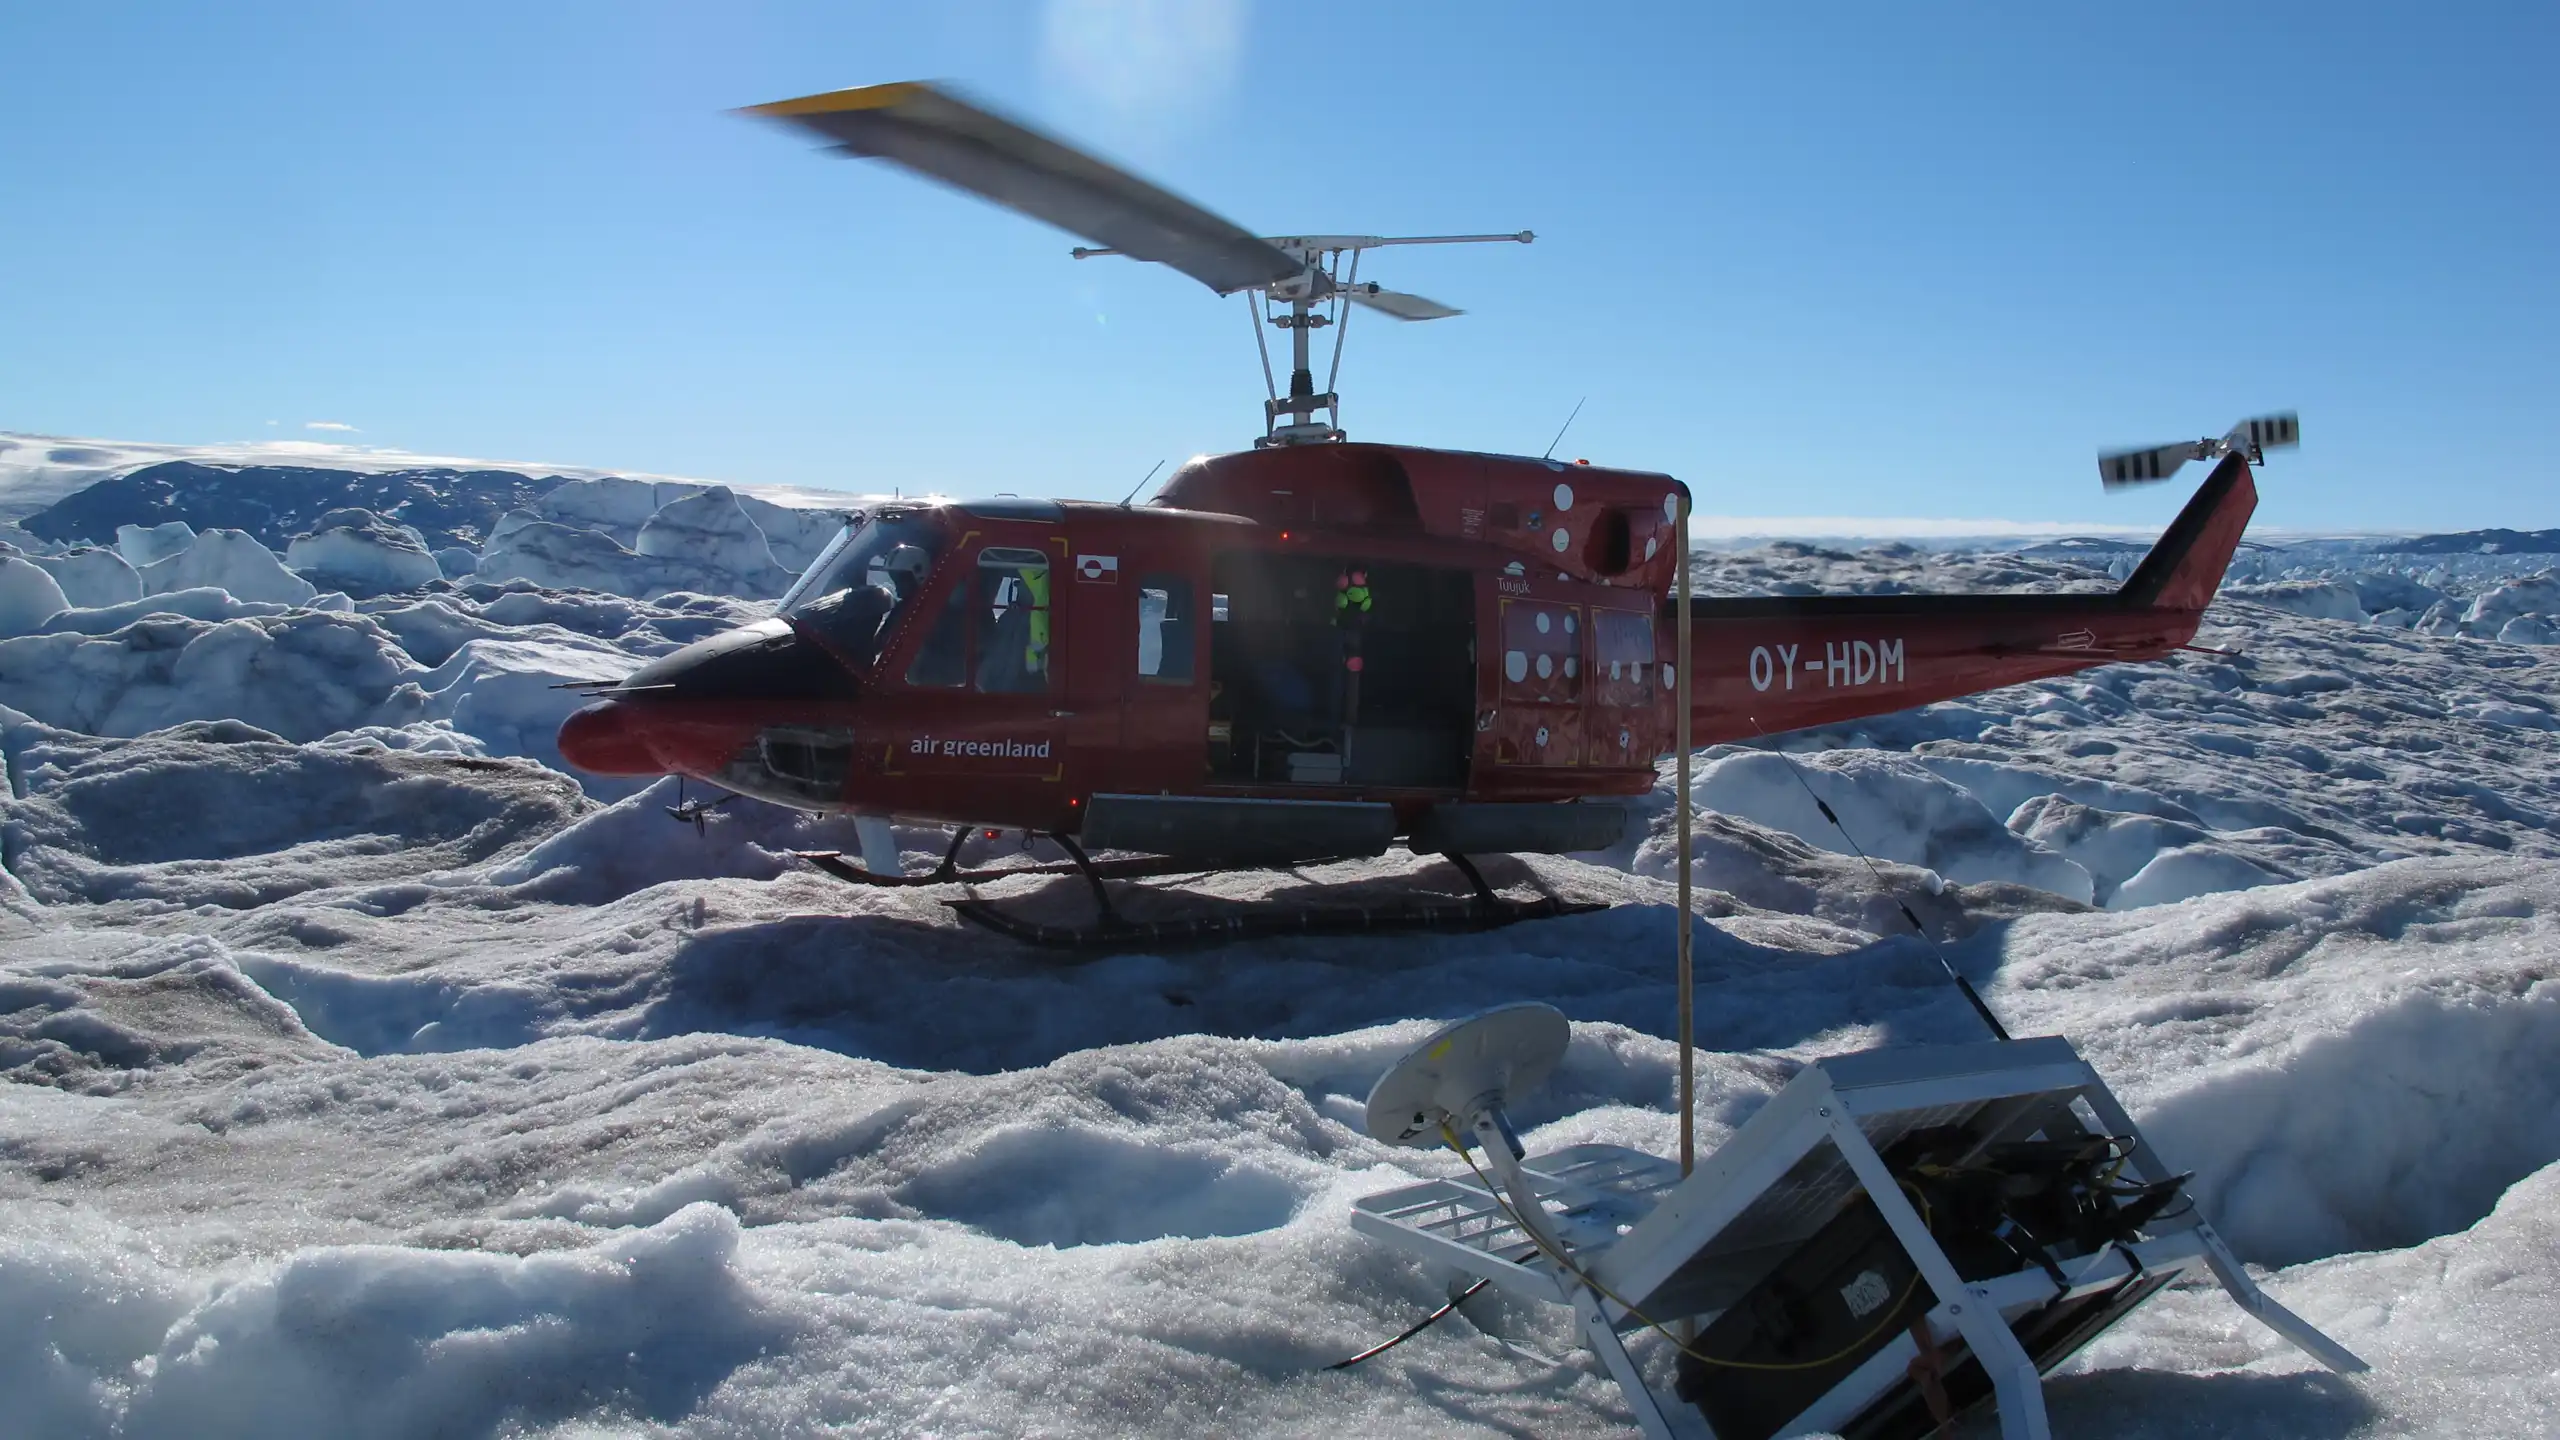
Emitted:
<point x="1611" y="548"/>
<point x="1013" y="621"/>
<point x="1166" y="625"/>
<point x="1623" y="657"/>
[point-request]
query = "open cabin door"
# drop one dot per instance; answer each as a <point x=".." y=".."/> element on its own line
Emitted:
<point x="1311" y="686"/>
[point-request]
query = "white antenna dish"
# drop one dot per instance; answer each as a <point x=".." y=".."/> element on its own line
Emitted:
<point x="1297" y="283"/>
<point x="1452" y="1087"/>
<point x="1472" y="1066"/>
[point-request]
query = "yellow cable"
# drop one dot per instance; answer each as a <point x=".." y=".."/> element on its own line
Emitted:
<point x="1579" y="1274"/>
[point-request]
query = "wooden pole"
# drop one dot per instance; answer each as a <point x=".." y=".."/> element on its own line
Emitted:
<point x="1680" y="741"/>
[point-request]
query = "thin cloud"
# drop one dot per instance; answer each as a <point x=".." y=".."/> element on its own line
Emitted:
<point x="327" y="425"/>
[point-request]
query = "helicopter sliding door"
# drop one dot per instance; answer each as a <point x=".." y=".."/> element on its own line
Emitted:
<point x="978" y="712"/>
<point x="1312" y="686"/>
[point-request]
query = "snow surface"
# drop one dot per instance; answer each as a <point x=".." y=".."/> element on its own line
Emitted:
<point x="362" y="1074"/>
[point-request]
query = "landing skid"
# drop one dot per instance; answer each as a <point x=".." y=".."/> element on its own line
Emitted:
<point x="1483" y="910"/>
<point x="950" y="873"/>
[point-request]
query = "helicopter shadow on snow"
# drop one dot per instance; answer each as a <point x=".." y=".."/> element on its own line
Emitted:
<point x="929" y="993"/>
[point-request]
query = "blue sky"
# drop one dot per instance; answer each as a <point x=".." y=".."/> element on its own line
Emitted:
<point x="1857" y="260"/>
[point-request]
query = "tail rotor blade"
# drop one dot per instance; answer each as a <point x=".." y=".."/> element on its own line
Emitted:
<point x="2267" y="432"/>
<point x="2127" y="468"/>
<point x="2250" y="439"/>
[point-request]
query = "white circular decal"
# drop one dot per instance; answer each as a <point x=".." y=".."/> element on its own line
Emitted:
<point x="1516" y="666"/>
<point x="1569" y="623"/>
<point x="1564" y="498"/>
<point x="1542" y="737"/>
<point x="1652" y="543"/>
<point x="1622" y="739"/>
<point x="1671" y="507"/>
<point x="1562" y="539"/>
<point x="1546" y="666"/>
<point x="1544" y="622"/>
<point x="1615" y="669"/>
<point x="1668" y="675"/>
<point x="1572" y="666"/>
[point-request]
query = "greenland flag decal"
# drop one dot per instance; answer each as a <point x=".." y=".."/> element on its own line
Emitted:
<point x="1098" y="569"/>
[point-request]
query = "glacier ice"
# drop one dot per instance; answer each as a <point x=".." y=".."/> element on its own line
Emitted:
<point x="29" y="596"/>
<point x="143" y="545"/>
<point x="712" y="531"/>
<point x="231" y="561"/>
<point x="91" y="576"/>
<point x="360" y="551"/>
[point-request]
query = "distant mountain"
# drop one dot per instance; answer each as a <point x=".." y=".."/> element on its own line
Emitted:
<point x="2478" y="542"/>
<point x="277" y="502"/>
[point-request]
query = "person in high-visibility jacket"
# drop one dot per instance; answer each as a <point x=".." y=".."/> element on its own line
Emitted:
<point x="1351" y="602"/>
<point x="1352" y="605"/>
<point x="1035" y="650"/>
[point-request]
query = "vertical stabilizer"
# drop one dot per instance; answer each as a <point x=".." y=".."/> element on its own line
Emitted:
<point x="2184" y="570"/>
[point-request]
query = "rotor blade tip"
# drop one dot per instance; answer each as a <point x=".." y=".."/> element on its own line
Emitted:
<point x="865" y="97"/>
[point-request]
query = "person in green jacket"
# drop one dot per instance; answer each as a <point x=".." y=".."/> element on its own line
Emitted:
<point x="1035" y="650"/>
<point x="1352" y="605"/>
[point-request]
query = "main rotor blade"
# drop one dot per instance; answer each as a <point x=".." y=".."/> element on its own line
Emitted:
<point x="938" y="135"/>
<point x="1398" y="303"/>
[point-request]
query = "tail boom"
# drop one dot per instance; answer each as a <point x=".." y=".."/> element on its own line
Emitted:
<point x="1765" y="664"/>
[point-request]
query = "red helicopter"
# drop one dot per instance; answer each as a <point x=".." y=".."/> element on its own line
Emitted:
<point x="1313" y="648"/>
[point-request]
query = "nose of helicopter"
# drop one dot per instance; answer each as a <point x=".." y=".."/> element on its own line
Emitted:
<point x="603" y="739"/>
<point x="694" y="711"/>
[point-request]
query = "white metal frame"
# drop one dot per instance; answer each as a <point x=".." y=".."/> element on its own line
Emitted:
<point x="1631" y="1222"/>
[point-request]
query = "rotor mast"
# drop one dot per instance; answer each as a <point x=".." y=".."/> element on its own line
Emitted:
<point x="1314" y="299"/>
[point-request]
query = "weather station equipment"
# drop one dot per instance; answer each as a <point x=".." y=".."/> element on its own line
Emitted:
<point x="1895" y="1238"/>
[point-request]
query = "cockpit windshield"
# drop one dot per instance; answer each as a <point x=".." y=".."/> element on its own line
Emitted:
<point x="856" y="589"/>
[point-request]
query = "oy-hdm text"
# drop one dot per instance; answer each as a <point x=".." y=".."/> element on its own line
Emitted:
<point x="1840" y="662"/>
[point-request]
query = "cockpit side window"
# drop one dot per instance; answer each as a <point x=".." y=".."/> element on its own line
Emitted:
<point x="856" y="590"/>
<point x="943" y="658"/>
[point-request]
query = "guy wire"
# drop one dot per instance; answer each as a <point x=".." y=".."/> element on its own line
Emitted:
<point x="1972" y="996"/>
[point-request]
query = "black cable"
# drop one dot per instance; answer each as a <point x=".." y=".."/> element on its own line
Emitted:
<point x="1416" y="1328"/>
<point x="1972" y="996"/>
